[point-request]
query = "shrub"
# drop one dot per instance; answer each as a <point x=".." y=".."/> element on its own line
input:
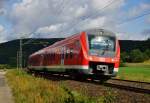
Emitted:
<point x="4" y="66"/>
<point x="122" y="64"/>
<point x="124" y="57"/>
<point x="137" y="56"/>
<point x="147" y="53"/>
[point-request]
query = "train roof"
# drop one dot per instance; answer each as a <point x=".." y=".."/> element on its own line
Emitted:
<point x="97" y="31"/>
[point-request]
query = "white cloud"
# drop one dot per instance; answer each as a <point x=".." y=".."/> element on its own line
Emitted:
<point x="49" y="29"/>
<point x="139" y="9"/>
<point x="2" y="3"/>
<point x="61" y="18"/>
<point x="2" y="34"/>
<point x="130" y="36"/>
<point x="92" y="23"/>
<point x="1" y="28"/>
<point x="55" y="16"/>
<point x="98" y="4"/>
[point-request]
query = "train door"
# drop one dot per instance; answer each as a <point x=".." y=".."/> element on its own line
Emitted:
<point x="78" y="48"/>
<point x="62" y="55"/>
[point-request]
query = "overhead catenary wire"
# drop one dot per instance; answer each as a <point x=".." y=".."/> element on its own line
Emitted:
<point x="129" y="19"/>
<point x="29" y="41"/>
<point x="120" y="23"/>
<point x="61" y="11"/>
<point x="20" y="55"/>
<point x="62" y="7"/>
<point x="111" y="2"/>
<point x="98" y="11"/>
<point x="30" y="34"/>
<point x="134" y="18"/>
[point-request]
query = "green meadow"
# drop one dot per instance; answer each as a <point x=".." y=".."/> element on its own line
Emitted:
<point x="135" y="71"/>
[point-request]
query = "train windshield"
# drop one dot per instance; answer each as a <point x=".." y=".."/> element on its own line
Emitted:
<point x="102" y="45"/>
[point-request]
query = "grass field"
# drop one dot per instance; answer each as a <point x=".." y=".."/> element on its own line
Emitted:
<point x="135" y="71"/>
<point x="30" y="89"/>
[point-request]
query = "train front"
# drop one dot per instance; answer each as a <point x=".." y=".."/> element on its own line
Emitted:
<point x="103" y="52"/>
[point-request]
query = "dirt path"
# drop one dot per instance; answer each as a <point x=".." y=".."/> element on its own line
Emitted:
<point x="5" y="92"/>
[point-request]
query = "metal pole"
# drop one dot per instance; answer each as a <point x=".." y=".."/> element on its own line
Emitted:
<point x="17" y="59"/>
<point x="20" y="59"/>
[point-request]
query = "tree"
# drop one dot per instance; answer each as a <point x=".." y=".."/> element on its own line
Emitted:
<point x="124" y="57"/>
<point x="137" y="56"/>
<point x="147" y="53"/>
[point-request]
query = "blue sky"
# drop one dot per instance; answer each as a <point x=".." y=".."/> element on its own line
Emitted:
<point x="62" y="18"/>
<point x="139" y="24"/>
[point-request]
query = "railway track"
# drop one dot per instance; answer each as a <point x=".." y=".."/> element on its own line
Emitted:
<point x="135" y="86"/>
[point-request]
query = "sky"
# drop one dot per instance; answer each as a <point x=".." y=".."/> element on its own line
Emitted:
<point x="128" y="19"/>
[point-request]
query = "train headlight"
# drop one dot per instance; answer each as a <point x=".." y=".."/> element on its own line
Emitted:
<point x="90" y="58"/>
<point x="113" y="60"/>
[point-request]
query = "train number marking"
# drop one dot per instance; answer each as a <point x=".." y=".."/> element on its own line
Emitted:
<point x="102" y="67"/>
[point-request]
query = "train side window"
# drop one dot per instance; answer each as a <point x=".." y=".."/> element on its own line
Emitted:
<point x="54" y="55"/>
<point x="62" y="55"/>
<point x="67" y="53"/>
<point x="50" y="55"/>
<point x="71" y="53"/>
<point x="63" y="52"/>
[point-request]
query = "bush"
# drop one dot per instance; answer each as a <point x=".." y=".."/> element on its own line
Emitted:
<point x="137" y="56"/>
<point x="4" y="66"/>
<point x="122" y="64"/>
<point x="124" y="57"/>
<point x="147" y="53"/>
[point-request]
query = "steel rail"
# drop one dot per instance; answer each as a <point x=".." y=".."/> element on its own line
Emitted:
<point x="129" y="88"/>
<point x="130" y="81"/>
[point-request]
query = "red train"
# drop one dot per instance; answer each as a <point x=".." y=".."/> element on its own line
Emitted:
<point x="94" y="52"/>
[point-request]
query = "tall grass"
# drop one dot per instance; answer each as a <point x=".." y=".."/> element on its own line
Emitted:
<point x="109" y="97"/>
<point x="29" y="89"/>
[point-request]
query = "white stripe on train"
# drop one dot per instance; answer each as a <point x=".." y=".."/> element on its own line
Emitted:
<point x="67" y="67"/>
<point x="64" y="67"/>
